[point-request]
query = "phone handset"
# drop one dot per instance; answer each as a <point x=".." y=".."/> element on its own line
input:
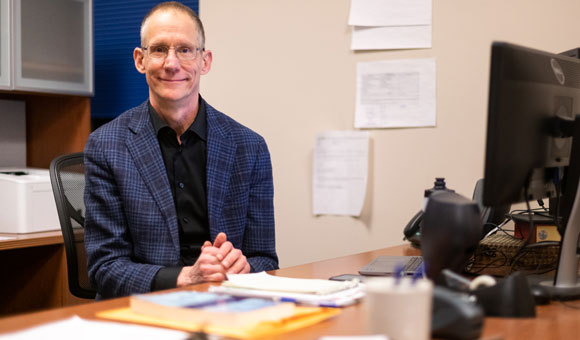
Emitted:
<point x="412" y="230"/>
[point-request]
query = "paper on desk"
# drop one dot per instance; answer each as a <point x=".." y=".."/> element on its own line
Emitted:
<point x="77" y="328"/>
<point x="395" y="93"/>
<point x="265" y="281"/>
<point x="390" y="24"/>
<point x="5" y="238"/>
<point x="314" y="292"/>
<point x="340" y="171"/>
<point x="339" y="299"/>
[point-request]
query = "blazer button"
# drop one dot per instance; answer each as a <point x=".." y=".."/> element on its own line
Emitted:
<point x="181" y="185"/>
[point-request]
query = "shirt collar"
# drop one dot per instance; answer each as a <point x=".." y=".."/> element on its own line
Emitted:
<point x="199" y="125"/>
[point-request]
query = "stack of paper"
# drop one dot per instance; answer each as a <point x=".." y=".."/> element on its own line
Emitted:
<point x="314" y="292"/>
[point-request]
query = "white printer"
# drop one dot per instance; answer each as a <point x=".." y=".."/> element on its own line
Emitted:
<point x="26" y="201"/>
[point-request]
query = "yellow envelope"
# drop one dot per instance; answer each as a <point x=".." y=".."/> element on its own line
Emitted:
<point x="303" y="317"/>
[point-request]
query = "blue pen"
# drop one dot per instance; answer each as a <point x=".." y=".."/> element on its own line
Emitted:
<point x="419" y="273"/>
<point x="329" y="305"/>
<point x="319" y="304"/>
<point x="399" y="272"/>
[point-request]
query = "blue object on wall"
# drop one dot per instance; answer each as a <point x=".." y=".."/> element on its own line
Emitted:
<point x="118" y="85"/>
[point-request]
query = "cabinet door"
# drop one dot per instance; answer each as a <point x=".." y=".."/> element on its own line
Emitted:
<point x="53" y="45"/>
<point x="4" y="44"/>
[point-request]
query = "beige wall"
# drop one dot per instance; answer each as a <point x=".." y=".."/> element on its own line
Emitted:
<point x="285" y="69"/>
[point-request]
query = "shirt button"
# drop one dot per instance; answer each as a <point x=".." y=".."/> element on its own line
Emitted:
<point x="181" y="185"/>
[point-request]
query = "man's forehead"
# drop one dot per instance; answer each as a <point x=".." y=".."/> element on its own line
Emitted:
<point x="170" y="17"/>
<point x="169" y="12"/>
<point x="168" y="23"/>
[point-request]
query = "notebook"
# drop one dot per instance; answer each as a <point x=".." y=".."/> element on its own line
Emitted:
<point x="388" y="265"/>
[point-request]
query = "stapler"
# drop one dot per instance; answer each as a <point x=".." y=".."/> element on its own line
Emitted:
<point x="455" y="316"/>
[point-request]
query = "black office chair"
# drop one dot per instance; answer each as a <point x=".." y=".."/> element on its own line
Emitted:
<point x="67" y="176"/>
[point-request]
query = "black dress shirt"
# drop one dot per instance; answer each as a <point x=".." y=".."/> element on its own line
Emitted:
<point x="186" y="170"/>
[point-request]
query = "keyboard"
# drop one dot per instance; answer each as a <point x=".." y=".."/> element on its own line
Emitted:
<point x="388" y="265"/>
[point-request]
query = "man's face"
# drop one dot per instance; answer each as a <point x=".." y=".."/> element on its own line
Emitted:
<point x="171" y="80"/>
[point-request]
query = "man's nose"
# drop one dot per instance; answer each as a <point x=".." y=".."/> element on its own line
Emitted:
<point x="171" y="60"/>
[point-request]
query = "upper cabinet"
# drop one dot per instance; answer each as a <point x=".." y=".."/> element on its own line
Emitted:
<point x="4" y="44"/>
<point x="50" y="44"/>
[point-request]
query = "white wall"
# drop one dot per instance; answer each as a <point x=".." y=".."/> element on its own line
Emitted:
<point x="285" y="69"/>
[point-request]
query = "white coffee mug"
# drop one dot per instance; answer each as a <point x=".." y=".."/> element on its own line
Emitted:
<point x="399" y="308"/>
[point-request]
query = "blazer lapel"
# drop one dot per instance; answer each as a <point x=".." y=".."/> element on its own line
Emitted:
<point x="220" y="158"/>
<point x="144" y="148"/>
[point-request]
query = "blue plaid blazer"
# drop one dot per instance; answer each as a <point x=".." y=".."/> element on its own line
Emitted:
<point x="131" y="226"/>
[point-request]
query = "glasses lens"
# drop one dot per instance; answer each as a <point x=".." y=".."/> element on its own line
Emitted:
<point x="186" y="52"/>
<point x="158" y="51"/>
<point x="182" y="52"/>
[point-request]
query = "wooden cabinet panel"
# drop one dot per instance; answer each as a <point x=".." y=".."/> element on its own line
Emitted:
<point x="34" y="274"/>
<point x="55" y="125"/>
<point x="33" y="279"/>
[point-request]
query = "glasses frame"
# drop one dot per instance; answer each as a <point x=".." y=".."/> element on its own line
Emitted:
<point x="175" y="48"/>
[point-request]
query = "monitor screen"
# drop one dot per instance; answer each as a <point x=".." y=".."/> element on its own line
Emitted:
<point x="528" y="89"/>
<point x="534" y="97"/>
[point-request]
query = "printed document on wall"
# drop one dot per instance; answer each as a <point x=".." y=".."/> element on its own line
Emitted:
<point x="340" y="172"/>
<point x="395" y="94"/>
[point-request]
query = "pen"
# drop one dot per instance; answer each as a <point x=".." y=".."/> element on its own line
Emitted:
<point x="419" y="273"/>
<point x="336" y="304"/>
<point x="399" y="272"/>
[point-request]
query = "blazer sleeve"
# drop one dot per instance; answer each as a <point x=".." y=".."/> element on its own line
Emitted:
<point x="112" y="270"/>
<point x="259" y="245"/>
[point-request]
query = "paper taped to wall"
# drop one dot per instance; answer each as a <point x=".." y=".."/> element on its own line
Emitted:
<point x="340" y="172"/>
<point x="395" y="93"/>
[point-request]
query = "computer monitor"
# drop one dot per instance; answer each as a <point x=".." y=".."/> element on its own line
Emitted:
<point x="533" y="143"/>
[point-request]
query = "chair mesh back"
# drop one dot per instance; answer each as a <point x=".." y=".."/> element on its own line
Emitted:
<point x="68" y="181"/>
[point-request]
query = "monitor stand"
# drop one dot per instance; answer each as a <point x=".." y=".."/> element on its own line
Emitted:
<point x="565" y="285"/>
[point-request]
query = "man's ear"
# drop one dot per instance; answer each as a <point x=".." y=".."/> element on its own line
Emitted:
<point x="206" y="61"/>
<point x="138" y="58"/>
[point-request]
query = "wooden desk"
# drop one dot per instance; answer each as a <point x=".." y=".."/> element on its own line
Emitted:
<point x="19" y="241"/>
<point x="34" y="275"/>
<point x="555" y="321"/>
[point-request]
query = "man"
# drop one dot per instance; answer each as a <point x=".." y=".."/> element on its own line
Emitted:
<point x="166" y="177"/>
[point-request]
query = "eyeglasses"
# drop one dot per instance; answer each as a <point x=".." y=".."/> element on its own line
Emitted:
<point x="182" y="52"/>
